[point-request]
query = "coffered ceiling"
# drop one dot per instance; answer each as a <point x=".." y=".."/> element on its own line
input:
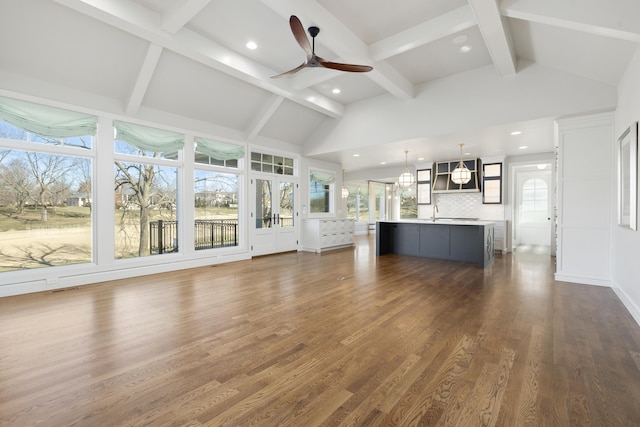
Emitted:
<point x="445" y="71"/>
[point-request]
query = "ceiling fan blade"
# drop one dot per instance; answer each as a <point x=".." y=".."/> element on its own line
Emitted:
<point x="301" y="37"/>
<point x="345" y="67"/>
<point x="292" y="71"/>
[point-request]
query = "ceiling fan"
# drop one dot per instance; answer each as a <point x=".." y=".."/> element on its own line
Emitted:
<point x="314" y="60"/>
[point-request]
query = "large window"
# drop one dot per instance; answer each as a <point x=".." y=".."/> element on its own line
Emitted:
<point x="358" y="202"/>
<point x="46" y="161"/>
<point x="408" y="204"/>
<point x="321" y="190"/>
<point x="78" y="190"/>
<point x="146" y="174"/>
<point x="216" y="194"/>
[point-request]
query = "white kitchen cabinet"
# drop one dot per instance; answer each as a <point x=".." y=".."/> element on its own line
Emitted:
<point x="325" y="234"/>
<point x="500" y="236"/>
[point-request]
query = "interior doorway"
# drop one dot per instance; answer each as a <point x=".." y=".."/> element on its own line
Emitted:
<point x="533" y="208"/>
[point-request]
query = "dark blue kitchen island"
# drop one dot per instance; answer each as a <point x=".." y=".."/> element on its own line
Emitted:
<point x="455" y="240"/>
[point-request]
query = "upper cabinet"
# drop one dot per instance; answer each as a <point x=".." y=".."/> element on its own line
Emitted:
<point x="443" y="182"/>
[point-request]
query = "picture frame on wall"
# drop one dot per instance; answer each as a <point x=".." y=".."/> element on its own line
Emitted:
<point x="628" y="178"/>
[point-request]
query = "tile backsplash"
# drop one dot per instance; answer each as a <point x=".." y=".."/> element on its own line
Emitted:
<point x="462" y="205"/>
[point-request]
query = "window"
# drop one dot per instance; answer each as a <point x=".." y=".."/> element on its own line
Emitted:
<point x="217" y="153"/>
<point x="358" y="202"/>
<point x="424" y="186"/>
<point x="146" y="174"/>
<point x="408" y="204"/>
<point x="216" y="194"/>
<point x="261" y="162"/>
<point x="46" y="169"/>
<point x="321" y="188"/>
<point x="492" y="183"/>
<point x="535" y="196"/>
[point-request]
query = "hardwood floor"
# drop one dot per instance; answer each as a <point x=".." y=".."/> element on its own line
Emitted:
<point x="342" y="338"/>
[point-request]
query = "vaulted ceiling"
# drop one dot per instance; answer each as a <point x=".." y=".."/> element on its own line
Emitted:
<point x="185" y="63"/>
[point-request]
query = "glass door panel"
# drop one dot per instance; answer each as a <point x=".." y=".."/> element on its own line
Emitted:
<point x="264" y="196"/>
<point x="286" y="218"/>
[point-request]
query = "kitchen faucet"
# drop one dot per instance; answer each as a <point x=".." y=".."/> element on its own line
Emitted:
<point x="435" y="209"/>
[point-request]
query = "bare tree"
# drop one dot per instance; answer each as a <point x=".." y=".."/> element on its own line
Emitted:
<point x="16" y="183"/>
<point x="48" y="170"/>
<point x="144" y="182"/>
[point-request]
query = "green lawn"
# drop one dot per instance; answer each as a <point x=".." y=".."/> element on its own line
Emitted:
<point x="30" y="218"/>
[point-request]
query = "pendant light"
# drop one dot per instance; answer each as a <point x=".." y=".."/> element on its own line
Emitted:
<point x="345" y="191"/>
<point x="461" y="175"/>
<point x="406" y="179"/>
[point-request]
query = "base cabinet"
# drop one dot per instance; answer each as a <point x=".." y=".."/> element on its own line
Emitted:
<point x="469" y="243"/>
<point x="500" y="237"/>
<point x="321" y="235"/>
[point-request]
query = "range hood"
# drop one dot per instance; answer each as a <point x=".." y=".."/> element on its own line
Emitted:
<point x="442" y="182"/>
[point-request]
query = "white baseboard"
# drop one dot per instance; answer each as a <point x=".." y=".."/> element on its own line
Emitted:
<point x="583" y="280"/>
<point x="127" y="269"/>
<point x="628" y="303"/>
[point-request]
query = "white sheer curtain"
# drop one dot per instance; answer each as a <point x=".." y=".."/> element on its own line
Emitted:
<point x="219" y="150"/>
<point x="147" y="138"/>
<point x="46" y="121"/>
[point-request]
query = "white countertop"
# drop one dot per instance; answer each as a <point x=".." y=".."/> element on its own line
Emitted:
<point x="443" y="221"/>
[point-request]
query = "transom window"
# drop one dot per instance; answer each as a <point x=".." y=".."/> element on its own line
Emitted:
<point x="280" y="165"/>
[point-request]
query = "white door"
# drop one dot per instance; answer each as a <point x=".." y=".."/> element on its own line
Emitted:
<point x="533" y="219"/>
<point x="274" y="220"/>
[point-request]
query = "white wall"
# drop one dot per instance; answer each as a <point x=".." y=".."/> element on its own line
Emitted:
<point x="626" y="243"/>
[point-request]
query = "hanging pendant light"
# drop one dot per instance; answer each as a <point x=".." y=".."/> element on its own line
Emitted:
<point x="406" y="179"/>
<point x="345" y="191"/>
<point x="461" y="175"/>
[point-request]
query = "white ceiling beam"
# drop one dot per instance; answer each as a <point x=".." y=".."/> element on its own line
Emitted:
<point x="303" y="80"/>
<point x="178" y="15"/>
<point x="268" y="110"/>
<point x="132" y="18"/>
<point x="617" y="20"/>
<point x="495" y="34"/>
<point x="344" y="43"/>
<point x="457" y="20"/>
<point x="144" y="78"/>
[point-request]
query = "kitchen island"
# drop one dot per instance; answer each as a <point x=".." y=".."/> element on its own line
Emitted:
<point x="450" y="239"/>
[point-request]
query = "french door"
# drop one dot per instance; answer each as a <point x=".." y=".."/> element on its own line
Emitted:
<point x="274" y="220"/>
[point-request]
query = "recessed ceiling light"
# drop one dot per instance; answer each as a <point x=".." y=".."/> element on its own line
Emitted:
<point x="251" y="45"/>
<point x="523" y="147"/>
<point x="336" y="91"/>
<point x="311" y="98"/>
<point x="467" y="154"/>
<point x="516" y="132"/>
<point x="420" y="158"/>
<point x="460" y="39"/>
<point x="465" y="49"/>
<point x="542" y="166"/>
<point x="383" y="163"/>
<point x="356" y="155"/>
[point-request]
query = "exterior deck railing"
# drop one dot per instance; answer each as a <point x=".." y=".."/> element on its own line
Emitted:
<point x="207" y="234"/>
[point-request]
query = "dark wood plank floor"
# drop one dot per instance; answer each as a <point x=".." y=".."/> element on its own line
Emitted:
<point x="343" y="338"/>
